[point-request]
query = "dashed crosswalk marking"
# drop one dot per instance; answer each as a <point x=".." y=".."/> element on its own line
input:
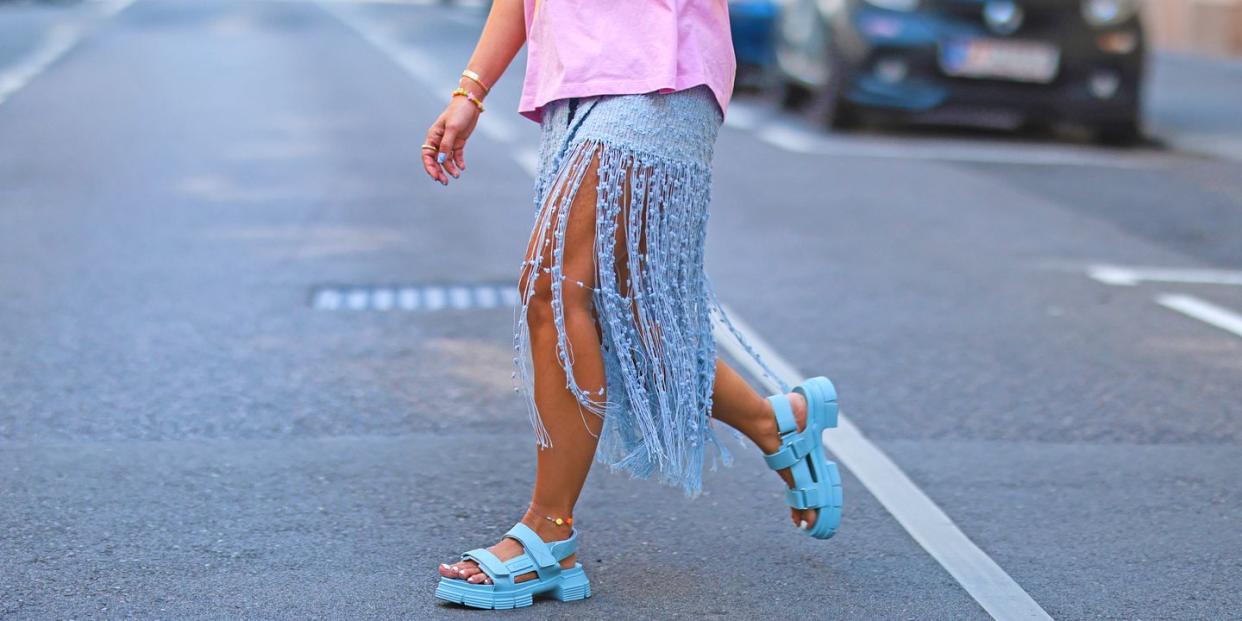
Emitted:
<point x="423" y="298"/>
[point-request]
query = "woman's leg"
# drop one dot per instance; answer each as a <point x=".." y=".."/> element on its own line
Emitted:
<point x="735" y="403"/>
<point x="561" y="468"/>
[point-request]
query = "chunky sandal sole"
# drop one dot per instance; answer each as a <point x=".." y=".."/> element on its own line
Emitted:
<point x="571" y="585"/>
<point x="822" y="414"/>
<point x="817" y="482"/>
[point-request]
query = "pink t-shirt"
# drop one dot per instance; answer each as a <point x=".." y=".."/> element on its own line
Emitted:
<point x="580" y="48"/>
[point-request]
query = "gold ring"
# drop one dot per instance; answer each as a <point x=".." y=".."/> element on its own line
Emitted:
<point x="429" y="147"/>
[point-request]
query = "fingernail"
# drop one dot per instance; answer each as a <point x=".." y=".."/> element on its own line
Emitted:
<point x="440" y="158"/>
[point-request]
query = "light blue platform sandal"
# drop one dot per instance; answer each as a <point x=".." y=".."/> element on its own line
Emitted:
<point x="817" y="484"/>
<point x="544" y="559"/>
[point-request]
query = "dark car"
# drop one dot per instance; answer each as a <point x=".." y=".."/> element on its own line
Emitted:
<point x="1020" y="61"/>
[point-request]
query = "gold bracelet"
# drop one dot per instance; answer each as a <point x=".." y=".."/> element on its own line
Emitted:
<point x="461" y="92"/>
<point x="474" y="77"/>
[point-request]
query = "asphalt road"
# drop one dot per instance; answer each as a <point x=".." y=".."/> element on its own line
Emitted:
<point x="184" y="434"/>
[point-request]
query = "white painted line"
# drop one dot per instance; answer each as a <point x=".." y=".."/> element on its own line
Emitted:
<point x="408" y="298"/>
<point x="1204" y="311"/>
<point x="510" y="296"/>
<point x="425" y="69"/>
<point x="528" y="159"/>
<point x="797" y="139"/>
<point x="1130" y="276"/>
<point x="742" y="116"/>
<point x="983" y="579"/>
<point x="327" y="299"/>
<point x="413" y="298"/>
<point x="59" y="40"/>
<point x="433" y="298"/>
<point x="459" y="297"/>
<point x="487" y="297"/>
<point x="357" y="299"/>
<point x="785" y="137"/>
<point x="383" y="299"/>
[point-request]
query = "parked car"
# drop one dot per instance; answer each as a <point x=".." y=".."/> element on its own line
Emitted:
<point x="1026" y="61"/>
<point x="752" y="25"/>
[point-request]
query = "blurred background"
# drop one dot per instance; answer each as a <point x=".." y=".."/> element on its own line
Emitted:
<point x="255" y="365"/>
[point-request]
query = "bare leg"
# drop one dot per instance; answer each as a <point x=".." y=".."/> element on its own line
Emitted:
<point x="735" y="403"/>
<point x="562" y="468"/>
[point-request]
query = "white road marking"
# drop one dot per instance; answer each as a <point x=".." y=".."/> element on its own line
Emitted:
<point x="459" y="297"/>
<point x="1131" y="276"/>
<point x="425" y="69"/>
<point x="798" y="139"/>
<point x="59" y="40"/>
<point x="327" y="299"/>
<point x="510" y="296"/>
<point x="433" y="298"/>
<point x="487" y="297"/>
<point x="426" y="298"/>
<point x="382" y="299"/>
<point x="528" y="159"/>
<point x="1204" y="311"/>
<point x="983" y="579"/>
<point x="358" y="299"/>
<point x="742" y="116"/>
<point x="408" y="298"/>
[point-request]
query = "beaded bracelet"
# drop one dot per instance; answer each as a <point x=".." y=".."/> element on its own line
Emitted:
<point x="461" y="92"/>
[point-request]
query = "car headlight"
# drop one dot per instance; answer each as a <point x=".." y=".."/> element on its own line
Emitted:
<point x="895" y="5"/>
<point x="1100" y="13"/>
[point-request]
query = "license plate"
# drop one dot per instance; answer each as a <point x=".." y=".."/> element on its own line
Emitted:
<point x="1022" y="61"/>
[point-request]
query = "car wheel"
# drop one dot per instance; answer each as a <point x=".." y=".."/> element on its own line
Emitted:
<point x="793" y="96"/>
<point x="1123" y="133"/>
<point x="837" y="113"/>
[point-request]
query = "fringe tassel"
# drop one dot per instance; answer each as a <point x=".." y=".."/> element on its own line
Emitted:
<point x="659" y="352"/>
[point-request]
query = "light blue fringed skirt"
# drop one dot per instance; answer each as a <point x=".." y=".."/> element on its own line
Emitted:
<point x="654" y="153"/>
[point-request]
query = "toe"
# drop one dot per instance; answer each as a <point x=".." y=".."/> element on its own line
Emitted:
<point x="810" y="515"/>
<point x="448" y="571"/>
<point x="463" y="570"/>
<point x="478" y="578"/>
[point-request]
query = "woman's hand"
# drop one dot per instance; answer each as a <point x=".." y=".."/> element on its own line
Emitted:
<point x="448" y="135"/>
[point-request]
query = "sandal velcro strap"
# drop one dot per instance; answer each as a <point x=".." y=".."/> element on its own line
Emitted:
<point x="785" y="421"/>
<point x="520" y="564"/>
<point x="490" y="564"/>
<point x="792" y="452"/>
<point x="546" y="563"/>
<point x="809" y="498"/>
<point x="566" y="547"/>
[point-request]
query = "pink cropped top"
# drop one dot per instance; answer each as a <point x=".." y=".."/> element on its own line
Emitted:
<point x="581" y="48"/>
